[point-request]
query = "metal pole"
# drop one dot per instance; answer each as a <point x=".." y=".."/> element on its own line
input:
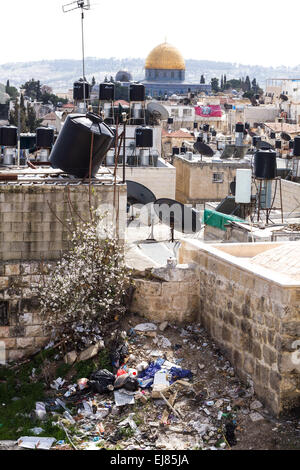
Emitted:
<point x="124" y="151"/>
<point x="19" y="131"/>
<point x="83" y="67"/>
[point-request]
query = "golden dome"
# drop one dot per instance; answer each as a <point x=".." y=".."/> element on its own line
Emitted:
<point x="165" y="57"/>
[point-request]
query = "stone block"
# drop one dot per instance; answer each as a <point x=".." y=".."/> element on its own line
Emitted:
<point x="24" y="343"/>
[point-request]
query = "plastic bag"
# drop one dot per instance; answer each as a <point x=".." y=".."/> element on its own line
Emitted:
<point x="127" y="382"/>
<point x="118" y="355"/>
<point x="102" y="381"/>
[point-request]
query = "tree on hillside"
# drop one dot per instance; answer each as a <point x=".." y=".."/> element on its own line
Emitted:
<point x="11" y="91"/>
<point x="215" y="85"/>
<point x="202" y="79"/>
<point x="28" y="118"/>
<point x="33" y="89"/>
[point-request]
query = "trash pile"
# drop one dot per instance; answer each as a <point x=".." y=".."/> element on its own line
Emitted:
<point x="168" y="388"/>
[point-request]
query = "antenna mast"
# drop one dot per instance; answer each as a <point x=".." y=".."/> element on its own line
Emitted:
<point x="83" y="5"/>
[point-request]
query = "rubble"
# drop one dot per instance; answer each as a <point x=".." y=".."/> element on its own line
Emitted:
<point x="171" y="398"/>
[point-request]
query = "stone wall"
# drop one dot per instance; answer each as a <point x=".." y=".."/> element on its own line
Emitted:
<point x="22" y="330"/>
<point x="160" y="301"/>
<point x="32" y="238"/>
<point x="255" y="320"/>
<point x="30" y="227"/>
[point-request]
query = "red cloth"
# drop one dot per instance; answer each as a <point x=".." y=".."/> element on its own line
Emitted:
<point x="209" y="111"/>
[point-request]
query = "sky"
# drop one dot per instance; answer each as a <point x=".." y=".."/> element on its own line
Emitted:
<point x="248" y="32"/>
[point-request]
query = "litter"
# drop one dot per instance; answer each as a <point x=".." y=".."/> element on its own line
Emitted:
<point x="119" y="355"/>
<point x="129" y="422"/>
<point x="37" y="431"/>
<point x="122" y="398"/>
<point x="29" y="442"/>
<point x="160" y="383"/>
<point x="102" y="381"/>
<point x="40" y="410"/>
<point x="145" y="327"/>
<point x="57" y="384"/>
<point x="162" y="342"/>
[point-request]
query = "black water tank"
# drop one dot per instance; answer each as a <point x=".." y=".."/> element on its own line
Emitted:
<point x="44" y="137"/>
<point x="71" y="152"/>
<point x="107" y="92"/>
<point x="9" y="136"/>
<point x="200" y="139"/>
<point x="255" y="140"/>
<point x="206" y="127"/>
<point x="265" y="165"/>
<point x="291" y="144"/>
<point x="247" y="125"/>
<point x="278" y="144"/>
<point x="175" y="150"/>
<point x="297" y="146"/>
<point x="239" y="127"/>
<point x="170" y="120"/>
<point x="214" y="133"/>
<point x="195" y="125"/>
<point x="137" y="92"/>
<point x="144" y="137"/>
<point x="273" y="135"/>
<point x="183" y="150"/>
<point x="78" y="90"/>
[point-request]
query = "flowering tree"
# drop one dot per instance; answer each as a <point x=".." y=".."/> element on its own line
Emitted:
<point x="85" y="290"/>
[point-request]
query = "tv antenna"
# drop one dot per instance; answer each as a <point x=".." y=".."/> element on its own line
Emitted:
<point x="83" y="5"/>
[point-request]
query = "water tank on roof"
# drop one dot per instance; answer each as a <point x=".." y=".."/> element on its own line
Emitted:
<point x="265" y="165"/>
<point x="273" y="135"/>
<point x="175" y="150"/>
<point x="239" y="127"/>
<point x="255" y="140"/>
<point x="78" y="90"/>
<point x="71" y="152"/>
<point x="195" y="125"/>
<point x="144" y="137"/>
<point x="243" y="186"/>
<point x="278" y="144"/>
<point x="137" y="92"/>
<point x="291" y="144"/>
<point x="297" y="146"/>
<point x="206" y="128"/>
<point x="9" y="136"/>
<point x="44" y="137"/>
<point x="107" y="92"/>
<point x="170" y="120"/>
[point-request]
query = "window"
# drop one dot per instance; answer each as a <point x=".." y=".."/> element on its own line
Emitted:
<point x="4" y="314"/>
<point x="187" y="112"/>
<point x="218" y="178"/>
<point x="174" y="112"/>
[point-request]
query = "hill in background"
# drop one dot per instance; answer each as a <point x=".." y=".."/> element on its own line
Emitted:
<point x="60" y="74"/>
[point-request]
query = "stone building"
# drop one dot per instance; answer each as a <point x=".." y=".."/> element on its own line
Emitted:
<point x="202" y="181"/>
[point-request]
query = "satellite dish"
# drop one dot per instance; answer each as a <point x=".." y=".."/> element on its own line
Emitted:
<point x="263" y="145"/>
<point x="283" y="97"/>
<point x="178" y="216"/>
<point x="285" y="136"/>
<point x="234" y="151"/>
<point x="158" y="110"/>
<point x="138" y="194"/>
<point x="203" y="149"/>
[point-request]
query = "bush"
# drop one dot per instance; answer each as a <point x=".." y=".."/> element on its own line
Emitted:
<point x="85" y="291"/>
